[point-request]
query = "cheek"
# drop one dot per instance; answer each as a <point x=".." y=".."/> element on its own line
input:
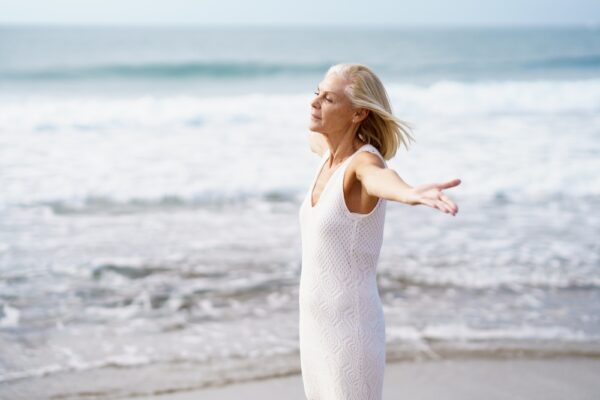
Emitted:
<point x="338" y="115"/>
<point x="331" y="112"/>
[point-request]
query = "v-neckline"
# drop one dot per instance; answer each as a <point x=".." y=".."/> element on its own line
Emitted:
<point x="314" y="184"/>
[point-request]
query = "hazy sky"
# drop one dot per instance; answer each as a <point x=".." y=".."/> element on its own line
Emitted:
<point x="303" y="12"/>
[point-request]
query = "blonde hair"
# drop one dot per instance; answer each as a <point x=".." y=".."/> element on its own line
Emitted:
<point x="380" y="128"/>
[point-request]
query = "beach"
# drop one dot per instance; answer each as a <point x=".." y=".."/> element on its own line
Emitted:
<point x="455" y="379"/>
<point x="150" y="183"/>
<point x="459" y="378"/>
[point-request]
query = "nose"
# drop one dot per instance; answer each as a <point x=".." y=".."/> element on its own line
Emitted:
<point x="315" y="102"/>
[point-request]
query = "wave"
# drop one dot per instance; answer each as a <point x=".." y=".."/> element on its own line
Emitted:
<point x="47" y="113"/>
<point x="108" y="205"/>
<point x="254" y="69"/>
<point x="404" y="343"/>
<point x="169" y="71"/>
<point x="583" y="61"/>
<point x="151" y="151"/>
<point x="445" y="341"/>
<point x="457" y="279"/>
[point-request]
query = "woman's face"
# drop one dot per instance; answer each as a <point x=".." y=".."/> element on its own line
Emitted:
<point x="331" y="110"/>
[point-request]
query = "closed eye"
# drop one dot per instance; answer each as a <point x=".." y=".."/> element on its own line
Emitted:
<point x="326" y="98"/>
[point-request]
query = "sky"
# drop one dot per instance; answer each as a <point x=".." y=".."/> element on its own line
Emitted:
<point x="302" y="13"/>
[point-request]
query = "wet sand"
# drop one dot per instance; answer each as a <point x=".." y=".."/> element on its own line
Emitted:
<point x="573" y="378"/>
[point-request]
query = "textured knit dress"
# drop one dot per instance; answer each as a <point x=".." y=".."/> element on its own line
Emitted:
<point x="341" y="322"/>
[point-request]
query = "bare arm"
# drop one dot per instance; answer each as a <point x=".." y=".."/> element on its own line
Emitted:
<point x="387" y="184"/>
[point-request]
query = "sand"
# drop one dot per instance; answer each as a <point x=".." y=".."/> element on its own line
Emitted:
<point x="571" y="378"/>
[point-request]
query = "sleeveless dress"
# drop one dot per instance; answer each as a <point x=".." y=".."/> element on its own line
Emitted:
<point x="341" y="321"/>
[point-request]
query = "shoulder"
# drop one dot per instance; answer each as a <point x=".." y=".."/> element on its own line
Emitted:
<point x="366" y="161"/>
<point x="365" y="158"/>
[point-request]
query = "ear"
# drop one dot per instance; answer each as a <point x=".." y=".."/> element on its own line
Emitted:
<point x="360" y="115"/>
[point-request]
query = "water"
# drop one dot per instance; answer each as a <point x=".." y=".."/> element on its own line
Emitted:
<point x="150" y="181"/>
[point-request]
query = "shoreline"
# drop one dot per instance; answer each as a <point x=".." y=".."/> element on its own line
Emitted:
<point x="442" y="371"/>
<point x="575" y="378"/>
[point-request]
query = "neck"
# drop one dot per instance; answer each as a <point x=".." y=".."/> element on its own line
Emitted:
<point x="343" y="145"/>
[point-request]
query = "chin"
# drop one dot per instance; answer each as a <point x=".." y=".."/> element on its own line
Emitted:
<point x="314" y="128"/>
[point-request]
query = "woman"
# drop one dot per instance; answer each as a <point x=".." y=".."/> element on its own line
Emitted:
<point x="342" y="331"/>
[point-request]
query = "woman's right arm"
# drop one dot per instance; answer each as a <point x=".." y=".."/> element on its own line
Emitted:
<point x="387" y="184"/>
<point x="317" y="143"/>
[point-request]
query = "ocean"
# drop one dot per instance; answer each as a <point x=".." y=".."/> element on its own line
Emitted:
<point x="150" y="181"/>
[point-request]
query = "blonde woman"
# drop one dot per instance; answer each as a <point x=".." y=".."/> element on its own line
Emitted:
<point x="342" y="330"/>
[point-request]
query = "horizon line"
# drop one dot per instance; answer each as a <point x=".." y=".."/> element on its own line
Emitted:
<point x="39" y="24"/>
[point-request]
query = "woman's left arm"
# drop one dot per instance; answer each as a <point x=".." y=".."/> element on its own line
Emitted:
<point x="387" y="184"/>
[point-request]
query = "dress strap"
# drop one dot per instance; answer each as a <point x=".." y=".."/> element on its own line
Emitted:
<point x="371" y="149"/>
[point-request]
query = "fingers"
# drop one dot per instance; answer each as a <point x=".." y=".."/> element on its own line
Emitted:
<point x="444" y="207"/>
<point x="440" y="205"/>
<point x="436" y="199"/>
<point x="448" y="184"/>
<point x="453" y="207"/>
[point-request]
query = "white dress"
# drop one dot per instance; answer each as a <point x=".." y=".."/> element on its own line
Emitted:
<point x="341" y="321"/>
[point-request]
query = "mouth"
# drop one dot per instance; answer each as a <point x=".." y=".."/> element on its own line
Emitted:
<point x="314" y="117"/>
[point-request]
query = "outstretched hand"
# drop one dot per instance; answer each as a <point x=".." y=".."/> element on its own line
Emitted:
<point x="431" y="195"/>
